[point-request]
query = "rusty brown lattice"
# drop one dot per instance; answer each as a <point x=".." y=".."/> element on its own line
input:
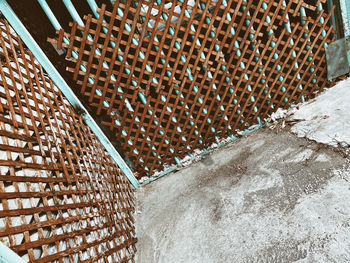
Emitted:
<point x="195" y="71"/>
<point x="63" y="199"/>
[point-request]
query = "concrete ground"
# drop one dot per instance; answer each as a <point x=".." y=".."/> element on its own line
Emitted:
<point x="270" y="197"/>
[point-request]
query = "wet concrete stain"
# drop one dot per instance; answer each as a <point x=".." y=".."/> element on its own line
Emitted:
<point x="252" y="201"/>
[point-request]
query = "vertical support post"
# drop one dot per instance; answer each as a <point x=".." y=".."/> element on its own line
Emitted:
<point x="8" y="256"/>
<point x="330" y="4"/>
<point x="348" y="13"/>
<point x="345" y="12"/>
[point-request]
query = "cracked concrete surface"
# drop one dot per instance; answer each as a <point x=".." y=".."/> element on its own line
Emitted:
<point x="326" y="118"/>
<point x="271" y="197"/>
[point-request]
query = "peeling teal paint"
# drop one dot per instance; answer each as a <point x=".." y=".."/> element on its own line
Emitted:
<point x="345" y="12"/>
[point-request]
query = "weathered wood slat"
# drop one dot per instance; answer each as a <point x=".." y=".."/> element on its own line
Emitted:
<point x="184" y="74"/>
<point x="61" y="195"/>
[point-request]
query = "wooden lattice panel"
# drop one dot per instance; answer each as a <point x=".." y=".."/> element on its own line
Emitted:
<point x="173" y="76"/>
<point x="63" y="199"/>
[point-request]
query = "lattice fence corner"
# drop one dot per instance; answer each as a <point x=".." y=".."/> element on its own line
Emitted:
<point x="63" y="199"/>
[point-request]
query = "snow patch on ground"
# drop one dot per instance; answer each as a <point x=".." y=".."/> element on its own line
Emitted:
<point x="196" y="156"/>
<point x="280" y="114"/>
<point x="325" y="119"/>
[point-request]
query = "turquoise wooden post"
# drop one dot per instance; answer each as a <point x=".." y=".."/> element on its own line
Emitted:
<point x="345" y="11"/>
<point x="330" y="5"/>
<point x="348" y="13"/>
<point x="9" y="256"/>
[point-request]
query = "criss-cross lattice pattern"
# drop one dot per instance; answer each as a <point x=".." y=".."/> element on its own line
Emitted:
<point x="63" y="199"/>
<point x="173" y="76"/>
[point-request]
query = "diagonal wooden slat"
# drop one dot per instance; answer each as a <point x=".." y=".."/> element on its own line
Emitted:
<point x="62" y="197"/>
<point x="191" y="72"/>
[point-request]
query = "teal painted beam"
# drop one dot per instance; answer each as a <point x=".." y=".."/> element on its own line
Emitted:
<point x="94" y="7"/>
<point x="17" y="25"/>
<point x="330" y="4"/>
<point x="9" y="256"/>
<point x="345" y="12"/>
<point x="345" y="8"/>
<point x="348" y="13"/>
<point x="50" y="14"/>
<point x="347" y="27"/>
<point x="73" y="12"/>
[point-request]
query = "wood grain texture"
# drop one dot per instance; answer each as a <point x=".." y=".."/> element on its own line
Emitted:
<point x="62" y="196"/>
<point x="175" y="77"/>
